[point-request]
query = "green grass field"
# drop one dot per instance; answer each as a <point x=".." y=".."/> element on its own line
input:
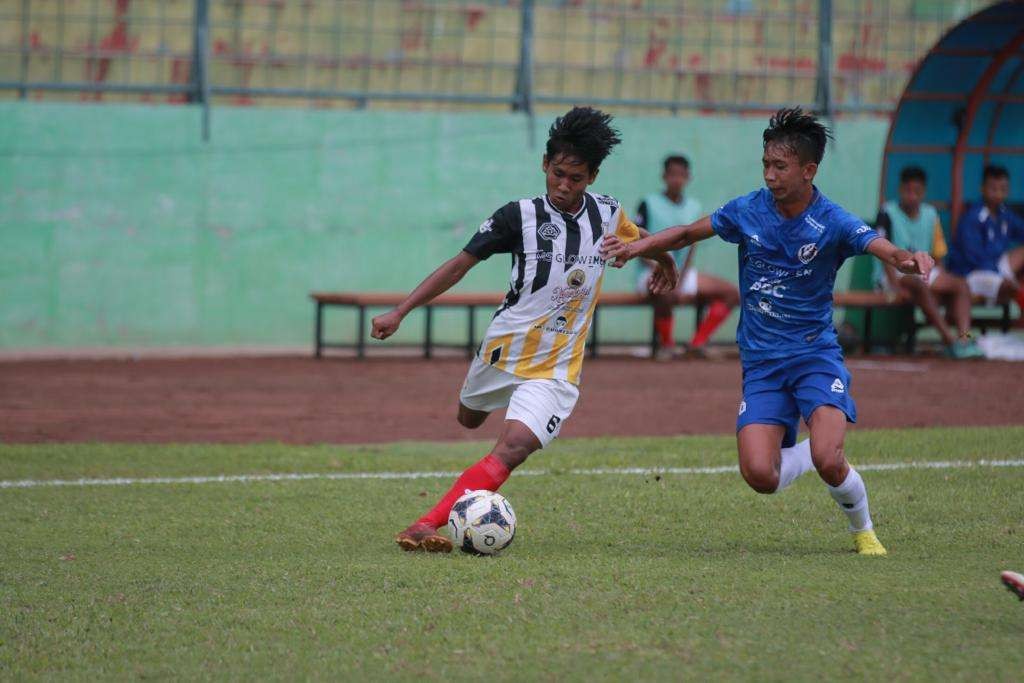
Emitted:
<point x="611" y="575"/>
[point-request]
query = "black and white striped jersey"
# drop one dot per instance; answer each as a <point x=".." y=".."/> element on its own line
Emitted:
<point x="541" y="328"/>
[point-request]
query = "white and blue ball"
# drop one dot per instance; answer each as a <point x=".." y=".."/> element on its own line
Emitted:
<point x="482" y="523"/>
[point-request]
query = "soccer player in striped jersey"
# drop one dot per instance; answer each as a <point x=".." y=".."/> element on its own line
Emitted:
<point x="791" y="241"/>
<point x="531" y="357"/>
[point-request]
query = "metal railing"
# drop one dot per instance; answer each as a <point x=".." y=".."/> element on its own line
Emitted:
<point x="839" y="56"/>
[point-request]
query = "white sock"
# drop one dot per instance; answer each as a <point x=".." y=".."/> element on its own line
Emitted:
<point x="853" y="500"/>
<point x="796" y="460"/>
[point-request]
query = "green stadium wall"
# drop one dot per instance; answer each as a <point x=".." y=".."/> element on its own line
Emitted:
<point x="120" y="228"/>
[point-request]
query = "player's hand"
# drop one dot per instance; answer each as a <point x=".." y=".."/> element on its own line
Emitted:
<point x="664" y="278"/>
<point x="614" y="248"/>
<point x="919" y="263"/>
<point x="386" y="324"/>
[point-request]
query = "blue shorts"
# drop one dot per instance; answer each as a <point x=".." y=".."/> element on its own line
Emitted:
<point x="780" y="391"/>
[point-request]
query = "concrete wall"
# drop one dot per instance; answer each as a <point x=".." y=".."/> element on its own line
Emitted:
<point x="118" y="227"/>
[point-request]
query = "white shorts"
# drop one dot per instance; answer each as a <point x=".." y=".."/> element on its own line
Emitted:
<point x="541" y="404"/>
<point x="687" y="284"/>
<point x="986" y="283"/>
<point x="885" y="286"/>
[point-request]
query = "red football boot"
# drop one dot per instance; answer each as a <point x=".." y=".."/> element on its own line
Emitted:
<point x="1014" y="582"/>
<point x="421" y="536"/>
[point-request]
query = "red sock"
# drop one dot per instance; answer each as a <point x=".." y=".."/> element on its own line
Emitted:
<point x="489" y="474"/>
<point x="663" y="326"/>
<point x="717" y="313"/>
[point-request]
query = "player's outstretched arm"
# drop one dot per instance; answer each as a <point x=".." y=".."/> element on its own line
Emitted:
<point x="660" y="242"/>
<point x="911" y="263"/>
<point x="664" y="277"/>
<point x="438" y="282"/>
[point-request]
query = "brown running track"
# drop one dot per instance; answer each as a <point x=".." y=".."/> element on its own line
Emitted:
<point x="300" y="400"/>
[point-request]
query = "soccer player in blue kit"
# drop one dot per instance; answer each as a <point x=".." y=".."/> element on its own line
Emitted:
<point x="792" y="240"/>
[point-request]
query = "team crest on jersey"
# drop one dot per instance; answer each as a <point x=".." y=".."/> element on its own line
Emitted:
<point x="807" y="252"/>
<point x="560" y="322"/>
<point x="577" y="278"/>
<point x="549" y="231"/>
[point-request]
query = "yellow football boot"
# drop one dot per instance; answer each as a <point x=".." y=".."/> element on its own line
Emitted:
<point x="866" y="543"/>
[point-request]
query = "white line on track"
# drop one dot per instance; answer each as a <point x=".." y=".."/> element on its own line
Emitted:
<point x="600" y="471"/>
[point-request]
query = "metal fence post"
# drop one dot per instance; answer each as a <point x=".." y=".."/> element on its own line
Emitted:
<point x="25" y="45"/>
<point x="823" y="89"/>
<point x="201" y="63"/>
<point x="523" y="97"/>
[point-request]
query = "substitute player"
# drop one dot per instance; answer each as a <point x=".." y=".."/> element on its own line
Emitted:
<point x="912" y="223"/>
<point x="657" y="211"/>
<point x="792" y="240"/>
<point x="983" y="249"/>
<point x="532" y="354"/>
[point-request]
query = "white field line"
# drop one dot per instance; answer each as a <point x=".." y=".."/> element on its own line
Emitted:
<point x="320" y="476"/>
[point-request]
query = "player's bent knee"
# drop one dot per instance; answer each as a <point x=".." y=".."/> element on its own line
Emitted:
<point x="761" y="478"/>
<point x="469" y="422"/>
<point x="831" y="464"/>
<point x="469" y="418"/>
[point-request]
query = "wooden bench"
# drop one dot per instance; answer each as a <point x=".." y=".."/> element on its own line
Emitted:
<point x="867" y="301"/>
<point x="364" y="301"/>
<point x="871" y="301"/>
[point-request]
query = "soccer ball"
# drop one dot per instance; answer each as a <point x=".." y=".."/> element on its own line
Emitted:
<point x="482" y="523"/>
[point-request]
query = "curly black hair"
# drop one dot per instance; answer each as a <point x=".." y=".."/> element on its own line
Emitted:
<point x="800" y="131"/>
<point x="583" y="133"/>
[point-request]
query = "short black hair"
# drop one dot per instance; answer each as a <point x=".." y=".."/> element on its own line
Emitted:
<point x="994" y="171"/>
<point x="677" y="159"/>
<point x="800" y="131"/>
<point x="913" y="173"/>
<point x="584" y="133"/>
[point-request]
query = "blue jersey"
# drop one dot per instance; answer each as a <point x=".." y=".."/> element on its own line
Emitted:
<point x="787" y="271"/>
<point x="982" y="237"/>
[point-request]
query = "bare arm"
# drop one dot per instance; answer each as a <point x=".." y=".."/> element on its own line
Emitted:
<point x="910" y="263"/>
<point x="438" y="282"/>
<point x="892" y="277"/>
<point x="664" y="278"/>
<point x="688" y="261"/>
<point x="883" y="226"/>
<point x="664" y="259"/>
<point x="654" y="245"/>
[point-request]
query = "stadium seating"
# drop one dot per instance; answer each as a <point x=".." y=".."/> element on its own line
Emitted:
<point x="712" y="52"/>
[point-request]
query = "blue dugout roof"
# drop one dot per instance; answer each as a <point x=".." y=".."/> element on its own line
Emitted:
<point x="963" y="108"/>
